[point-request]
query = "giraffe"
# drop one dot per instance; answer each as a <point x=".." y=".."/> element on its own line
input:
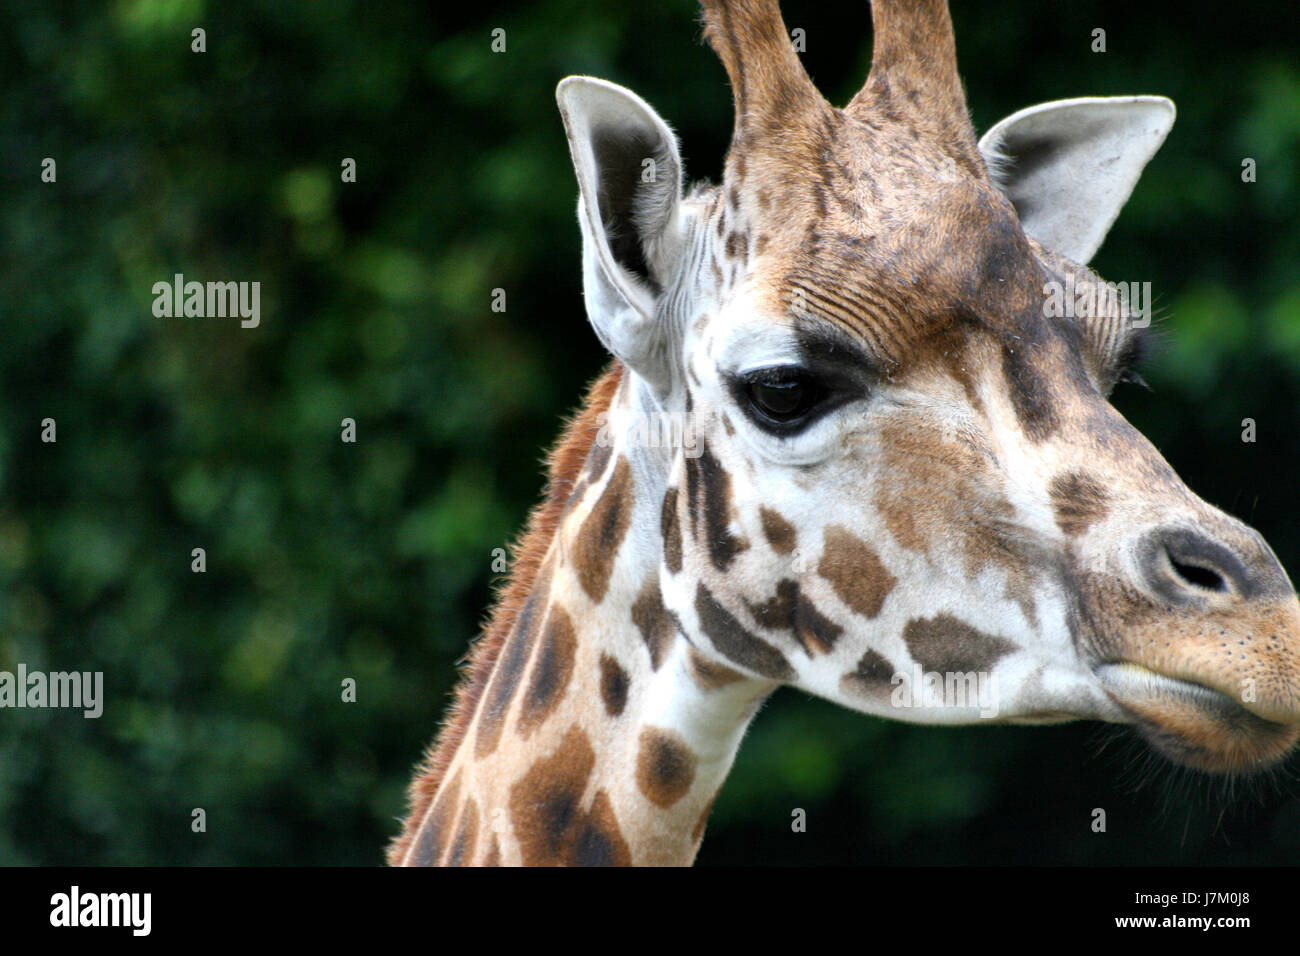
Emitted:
<point x="898" y="464"/>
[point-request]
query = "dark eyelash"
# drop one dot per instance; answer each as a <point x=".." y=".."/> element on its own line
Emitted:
<point x="1138" y="350"/>
<point x="774" y="375"/>
<point x="828" y="392"/>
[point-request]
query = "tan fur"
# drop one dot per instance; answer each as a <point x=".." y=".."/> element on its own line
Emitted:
<point x="564" y="465"/>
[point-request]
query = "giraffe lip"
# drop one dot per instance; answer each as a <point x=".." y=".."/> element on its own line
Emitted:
<point x="1124" y="681"/>
<point x="1193" y="724"/>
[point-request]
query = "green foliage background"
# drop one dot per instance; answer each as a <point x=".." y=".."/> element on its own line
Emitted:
<point x="373" y="560"/>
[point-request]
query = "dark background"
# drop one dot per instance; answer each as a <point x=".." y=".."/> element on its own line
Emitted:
<point x="373" y="560"/>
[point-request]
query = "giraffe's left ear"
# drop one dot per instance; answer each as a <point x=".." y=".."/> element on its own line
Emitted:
<point x="1070" y="165"/>
<point x="629" y="181"/>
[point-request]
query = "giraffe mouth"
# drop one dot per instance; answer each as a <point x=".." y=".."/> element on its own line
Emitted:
<point x="1195" y="725"/>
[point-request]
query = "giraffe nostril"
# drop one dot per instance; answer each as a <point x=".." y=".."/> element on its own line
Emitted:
<point x="1198" y="576"/>
<point x="1185" y="566"/>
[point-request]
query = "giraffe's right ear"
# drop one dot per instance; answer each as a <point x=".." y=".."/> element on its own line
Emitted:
<point x="629" y="180"/>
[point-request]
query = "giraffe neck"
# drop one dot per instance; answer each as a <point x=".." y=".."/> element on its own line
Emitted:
<point x="602" y="736"/>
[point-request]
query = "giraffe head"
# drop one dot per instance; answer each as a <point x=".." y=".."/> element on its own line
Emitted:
<point x="903" y="487"/>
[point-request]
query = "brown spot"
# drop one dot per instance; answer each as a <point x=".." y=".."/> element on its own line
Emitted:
<point x="708" y="487"/>
<point x="733" y="641"/>
<point x="494" y="853"/>
<point x="737" y="245"/>
<point x="652" y="621"/>
<point x="791" y="610"/>
<point x="597" y="461"/>
<point x="544" y="803"/>
<point x="672" y="532"/>
<point x="596" y="545"/>
<point x="692" y="493"/>
<point x="814" y="631"/>
<point x="873" y="674"/>
<point x="727" y="427"/>
<point x="665" y="766"/>
<point x="545" y="811"/>
<point x="708" y="675"/>
<point x="924" y="458"/>
<point x="551" y="671"/>
<point x="780" y="533"/>
<point x="509" y="667"/>
<point x="946" y="645"/>
<point x="613" y="685"/>
<point x="777" y="612"/>
<point x="764" y="198"/>
<point x="600" y="841"/>
<point x="463" y="846"/>
<point x="433" y="830"/>
<point x="1020" y="588"/>
<point x="760" y="244"/>
<point x="961" y="512"/>
<point x="1079" y="500"/>
<point x="855" y="572"/>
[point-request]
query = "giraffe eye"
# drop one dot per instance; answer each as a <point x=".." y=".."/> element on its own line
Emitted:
<point x="782" y="396"/>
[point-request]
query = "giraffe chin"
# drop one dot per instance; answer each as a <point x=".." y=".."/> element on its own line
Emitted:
<point x="1194" y="725"/>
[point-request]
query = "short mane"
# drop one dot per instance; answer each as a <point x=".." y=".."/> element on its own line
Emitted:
<point x="564" y="464"/>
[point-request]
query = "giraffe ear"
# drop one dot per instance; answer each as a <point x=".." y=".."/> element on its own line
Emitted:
<point x="629" y="183"/>
<point x="1070" y="165"/>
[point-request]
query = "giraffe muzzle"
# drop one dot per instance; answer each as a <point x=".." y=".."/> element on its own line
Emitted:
<point x="1196" y="638"/>
<point x="1195" y="725"/>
